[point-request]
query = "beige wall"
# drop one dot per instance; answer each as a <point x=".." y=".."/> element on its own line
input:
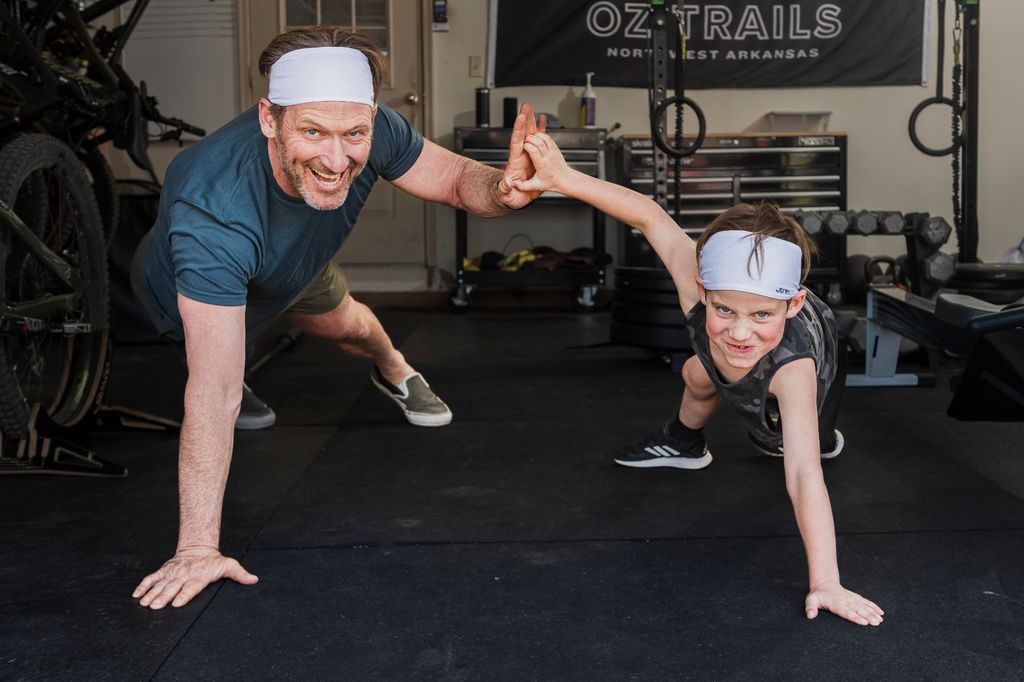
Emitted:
<point x="885" y="170"/>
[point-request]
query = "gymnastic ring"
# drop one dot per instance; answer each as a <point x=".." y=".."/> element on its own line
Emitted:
<point x="913" y="126"/>
<point x="661" y="140"/>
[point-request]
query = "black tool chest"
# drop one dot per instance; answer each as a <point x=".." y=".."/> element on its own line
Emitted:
<point x="798" y="171"/>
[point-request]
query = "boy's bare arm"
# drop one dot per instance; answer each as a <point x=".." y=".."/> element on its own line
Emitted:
<point x="795" y="387"/>
<point x="672" y="245"/>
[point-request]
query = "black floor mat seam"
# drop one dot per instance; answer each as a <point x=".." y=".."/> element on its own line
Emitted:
<point x="220" y="583"/>
<point x="216" y="591"/>
<point x="377" y="544"/>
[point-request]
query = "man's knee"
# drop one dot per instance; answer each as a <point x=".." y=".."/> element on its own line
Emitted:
<point x="348" y="322"/>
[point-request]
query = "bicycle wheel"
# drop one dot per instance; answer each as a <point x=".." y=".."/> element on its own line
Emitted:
<point x="104" y="187"/>
<point x="45" y="184"/>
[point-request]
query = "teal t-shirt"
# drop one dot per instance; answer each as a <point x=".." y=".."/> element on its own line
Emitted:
<point x="227" y="234"/>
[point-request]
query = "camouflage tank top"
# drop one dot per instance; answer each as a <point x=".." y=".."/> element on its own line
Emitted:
<point x="810" y="334"/>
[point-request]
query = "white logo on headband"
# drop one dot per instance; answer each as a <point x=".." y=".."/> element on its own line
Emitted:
<point x="321" y="74"/>
<point x="725" y="265"/>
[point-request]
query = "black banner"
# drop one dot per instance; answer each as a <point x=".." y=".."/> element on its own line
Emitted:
<point x="730" y="43"/>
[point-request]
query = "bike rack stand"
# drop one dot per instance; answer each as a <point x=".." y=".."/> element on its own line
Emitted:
<point x="47" y="450"/>
<point x="51" y="448"/>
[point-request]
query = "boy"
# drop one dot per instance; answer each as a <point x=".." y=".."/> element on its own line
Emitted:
<point x="760" y="340"/>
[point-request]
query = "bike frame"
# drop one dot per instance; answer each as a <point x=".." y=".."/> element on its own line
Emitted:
<point x="110" y="102"/>
<point x="45" y="307"/>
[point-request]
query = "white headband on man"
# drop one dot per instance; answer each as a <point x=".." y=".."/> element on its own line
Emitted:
<point x="724" y="259"/>
<point x="321" y="74"/>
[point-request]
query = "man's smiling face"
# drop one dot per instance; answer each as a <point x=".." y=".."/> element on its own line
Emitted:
<point x="318" y="149"/>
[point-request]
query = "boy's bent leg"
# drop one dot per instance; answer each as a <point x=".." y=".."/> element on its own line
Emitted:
<point x="700" y="399"/>
<point x="353" y="328"/>
<point x="679" y="443"/>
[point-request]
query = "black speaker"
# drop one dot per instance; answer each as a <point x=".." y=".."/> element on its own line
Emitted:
<point x="510" y="109"/>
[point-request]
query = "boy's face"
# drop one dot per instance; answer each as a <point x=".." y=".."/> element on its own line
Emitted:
<point x="745" y="327"/>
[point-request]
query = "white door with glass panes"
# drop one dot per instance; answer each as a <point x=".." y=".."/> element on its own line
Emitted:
<point x="390" y="229"/>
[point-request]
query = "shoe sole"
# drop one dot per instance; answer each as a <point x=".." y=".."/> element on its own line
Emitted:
<point x="414" y="418"/>
<point x="839" y="446"/>
<point x="673" y="462"/>
<point x="244" y="423"/>
<point x="825" y="455"/>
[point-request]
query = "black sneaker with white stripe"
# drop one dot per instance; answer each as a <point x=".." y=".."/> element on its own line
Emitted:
<point x="660" y="449"/>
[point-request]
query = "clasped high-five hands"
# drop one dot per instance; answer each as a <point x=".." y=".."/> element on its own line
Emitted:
<point x="520" y="166"/>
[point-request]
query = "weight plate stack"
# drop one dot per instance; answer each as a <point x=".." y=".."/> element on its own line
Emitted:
<point x="999" y="283"/>
<point x="646" y="311"/>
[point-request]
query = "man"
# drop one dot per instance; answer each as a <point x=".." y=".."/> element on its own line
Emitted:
<point x="249" y="220"/>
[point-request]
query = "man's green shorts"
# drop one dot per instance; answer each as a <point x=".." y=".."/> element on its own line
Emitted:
<point x="324" y="294"/>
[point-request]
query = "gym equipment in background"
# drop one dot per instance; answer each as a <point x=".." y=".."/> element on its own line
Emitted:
<point x="583" y="149"/>
<point x="805" y="172"/>
<point x="990" y="282"/>
<point x="646" y="312"/>
<point x="990" y="337"/>
<point x="927" y="269"/>
<point x="658" y="104"/>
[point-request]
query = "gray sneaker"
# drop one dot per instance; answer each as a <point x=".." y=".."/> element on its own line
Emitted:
<point x="255" y="414"/>
<point x="414" y="396"/>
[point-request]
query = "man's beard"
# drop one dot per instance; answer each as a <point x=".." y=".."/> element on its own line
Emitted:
<point x="305" y="186"/>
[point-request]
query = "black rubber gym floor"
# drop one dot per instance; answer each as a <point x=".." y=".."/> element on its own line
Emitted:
<point x="508" y="546"/>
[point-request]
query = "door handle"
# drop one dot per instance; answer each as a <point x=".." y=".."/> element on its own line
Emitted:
<point x="412" y="98"/>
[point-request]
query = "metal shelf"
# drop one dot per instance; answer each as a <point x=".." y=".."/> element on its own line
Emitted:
<point x="584" y="150"/>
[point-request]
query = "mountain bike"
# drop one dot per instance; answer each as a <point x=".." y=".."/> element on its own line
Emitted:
<point x="62" y="94"/>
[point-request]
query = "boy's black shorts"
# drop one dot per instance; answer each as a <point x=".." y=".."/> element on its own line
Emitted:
<point x="830" y="409"/>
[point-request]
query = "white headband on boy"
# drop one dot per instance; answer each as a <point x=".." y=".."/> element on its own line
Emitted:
<point x="724" y="259"/>
<point x="321" y="74"/>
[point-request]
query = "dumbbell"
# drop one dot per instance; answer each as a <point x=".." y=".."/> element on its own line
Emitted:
<point x="838" y="222"/>
<point x="935" y="231"/>
<point x="811" y="221"/>
<point x="939" y="267"/>
<point x="865" y="222"/>
<point x="891" y="222"/>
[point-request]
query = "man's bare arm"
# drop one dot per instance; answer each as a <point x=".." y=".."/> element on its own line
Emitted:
<point x="456" y="181"/>
<point x="215" y="340"/>
<point x="459" y="182"/>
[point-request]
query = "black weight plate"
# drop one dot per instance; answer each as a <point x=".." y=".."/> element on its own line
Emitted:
<point x="650" y="336"/>
<point x="646" y="273"/>
<point x="645" y="297"/>
<point x="990" y="272"/>
<point x="644" y="284"/>
<point x="648" y="314"/>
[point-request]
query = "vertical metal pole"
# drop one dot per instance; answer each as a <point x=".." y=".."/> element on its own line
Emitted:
<point x="660" y="85"/>
<point x="969" y="198"/>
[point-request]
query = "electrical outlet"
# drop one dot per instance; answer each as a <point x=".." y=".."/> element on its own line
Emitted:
<point x="476" y="66"/>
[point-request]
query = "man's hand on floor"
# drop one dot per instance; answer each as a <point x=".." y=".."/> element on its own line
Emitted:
<point x="185" y="576"/>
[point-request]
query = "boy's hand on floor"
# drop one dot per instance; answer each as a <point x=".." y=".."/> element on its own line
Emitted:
<point x="832" y="596"/>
